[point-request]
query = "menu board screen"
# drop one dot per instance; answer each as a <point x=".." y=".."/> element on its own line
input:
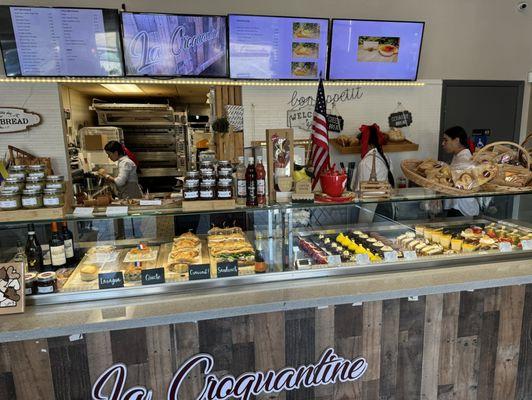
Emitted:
<point x="375" y="50"/>
<point x="39" y="41"/>
<point x="277" y="47"/>
<point x="174" y="45"/>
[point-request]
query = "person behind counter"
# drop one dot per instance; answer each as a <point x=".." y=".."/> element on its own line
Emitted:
<point x="127" y="181"/>
<point x="371" y="141"/>
<point x="456" y="142"/>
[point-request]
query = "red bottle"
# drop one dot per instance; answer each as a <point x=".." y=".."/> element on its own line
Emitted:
<point x="251" y="183"/>
<point x="261" y="181"/>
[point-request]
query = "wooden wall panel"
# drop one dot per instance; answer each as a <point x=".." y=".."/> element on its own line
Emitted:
<point x="454" y="346"/>
<point x="227" y="95"/>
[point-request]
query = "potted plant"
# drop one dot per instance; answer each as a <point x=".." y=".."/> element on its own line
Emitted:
<point x="220" y="125"/>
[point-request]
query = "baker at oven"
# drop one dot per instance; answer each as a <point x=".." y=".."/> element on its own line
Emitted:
<point x="127" y="180"/>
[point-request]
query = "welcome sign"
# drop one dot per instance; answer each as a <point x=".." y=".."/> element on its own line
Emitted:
<point x="329" y="369"/>
<point x="174" y="45"/>
<point x="14" y="119"/>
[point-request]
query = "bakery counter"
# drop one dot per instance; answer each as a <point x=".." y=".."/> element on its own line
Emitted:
<point x="266" y="293"/>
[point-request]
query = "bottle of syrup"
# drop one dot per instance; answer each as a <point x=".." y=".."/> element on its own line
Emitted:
<point x="261" y="182"/>
<point x="251" y="183"/>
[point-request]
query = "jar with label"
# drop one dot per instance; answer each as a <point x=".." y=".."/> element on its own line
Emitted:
<point x="15" y="181"/>
<point x="17" y="170"/>
<point x="206" y="166"/>
<point x="225" y="166"/>
<point x="191" y="190"/>
<point x="30" y="280"/>
<point x="225" y="190"/>
<point x="31" y="199"/>
<point x="40" y="175"/>
<point x="225" y="177"/>
<point x="55" y="182"/>
<point x="35" y="182"/>
<point x="207" y="191"/>
<point x="46" y="283"/>
<point x="10" y="199"/>
<point x="53" y="198"/>
<point x="208" y="178"/>
<point x="35" y="169"/>
<point x="192" y="176"/>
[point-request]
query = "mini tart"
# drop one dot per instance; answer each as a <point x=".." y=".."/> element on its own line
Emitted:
<point x="386" y="248"/>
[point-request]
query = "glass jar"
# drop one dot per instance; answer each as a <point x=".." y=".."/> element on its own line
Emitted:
<point x="53" y="198"/>
<point x="35" y="182"/>
<point x="207" y="191"/>
<point x="17" y="170"/>
<point x="225" y="166"/>
<point x="15" y="182"/>
<point x="225" y="177"/>
<point x="36" y="169"/>
<point x="55" y="182"/>
<point x="225" y="191"/>
<point x="10" y="199"/>
<point x="32" y="198"/>
<point x="30" y="280"/>
<point x="192" y="176"/>
<point x="39" y="175"/>
<point x="208" y="178"/>
<point x="206" y="166"/>
<point x="46" y="283"/>
<point x="191" y="190"/>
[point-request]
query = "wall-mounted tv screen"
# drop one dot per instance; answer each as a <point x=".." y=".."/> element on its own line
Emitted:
<point x="174" y="45"/>
<point x="263" y="47"/>
<point x="375" y="50"/>
<point x="43" y="41"/>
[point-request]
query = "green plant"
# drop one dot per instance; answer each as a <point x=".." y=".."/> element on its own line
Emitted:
<point x="220" y="125"/>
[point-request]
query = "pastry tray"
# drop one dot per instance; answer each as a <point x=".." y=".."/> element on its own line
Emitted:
<point x="143" y="257"/>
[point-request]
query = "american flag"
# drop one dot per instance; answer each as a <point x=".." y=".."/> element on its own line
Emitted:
<point x="319" y="153"/>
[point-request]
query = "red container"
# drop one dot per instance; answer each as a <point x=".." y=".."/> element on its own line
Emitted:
<point x="333" y="185"/>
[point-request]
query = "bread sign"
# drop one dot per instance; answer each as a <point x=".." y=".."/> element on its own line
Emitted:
<point x="14" y="119"/>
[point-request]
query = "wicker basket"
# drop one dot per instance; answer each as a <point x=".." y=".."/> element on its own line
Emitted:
<point x="527" y="144"/>
<point x="409" y="168"/>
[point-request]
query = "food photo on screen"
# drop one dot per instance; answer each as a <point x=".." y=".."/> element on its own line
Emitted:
<point x="174" y="45"/>
<point x="305" y="50"/>
<point x="306" y="30"/>
<point x="305" y="69"/>
<point x="377" y="49"/>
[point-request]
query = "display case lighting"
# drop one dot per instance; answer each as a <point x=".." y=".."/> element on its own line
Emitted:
<point x="209" y="82"/>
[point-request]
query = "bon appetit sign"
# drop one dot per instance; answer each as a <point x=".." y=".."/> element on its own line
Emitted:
<point x="330" y="369"/>
<point x="14" y="119"/>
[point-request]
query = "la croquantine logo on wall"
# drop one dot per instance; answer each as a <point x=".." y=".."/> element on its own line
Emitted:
<point x="330" y="369"/>
<point x="14" y="119"/>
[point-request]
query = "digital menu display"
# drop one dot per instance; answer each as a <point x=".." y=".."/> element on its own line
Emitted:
<point x="375" y="50"/>
<point x="174" y="45"/>
<point x="40" y="41"/>
<point x="277" y="47"/>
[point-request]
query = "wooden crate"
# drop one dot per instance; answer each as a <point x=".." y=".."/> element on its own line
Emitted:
<point x="229" y="146"/>
<point x="209" y="205"/>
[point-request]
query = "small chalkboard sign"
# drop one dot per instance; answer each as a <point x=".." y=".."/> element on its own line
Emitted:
<point x="199" y="271"/>
<point x="152" y="276"/>
<point x="226" y="268"/>
<point x="400" y="119"/>
<point x="110" y="280"/>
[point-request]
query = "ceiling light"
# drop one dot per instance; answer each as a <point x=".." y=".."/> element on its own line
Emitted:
<point x="122" y="87"/>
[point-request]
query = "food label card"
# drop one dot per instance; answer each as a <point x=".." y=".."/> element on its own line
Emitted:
<point x="335" y="259"/>
<point x="111" y="280"/>
<point x="11" y="288"/>
<point x="526" y="244"/>
<point x="226" y="268"/>
<point x="362" y="259"/>
<point x="390" y="256"/>
<point x="152" y="276"/>
<point x="199" y="271"/>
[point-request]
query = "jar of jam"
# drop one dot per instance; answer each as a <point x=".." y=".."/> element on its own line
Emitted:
<point x="30" y="280"/>
<point x="208" y="178"/>
<point x="39" y="175"/>
<point x="206" y="166"/>
<point x="225" y="190"/>
<point x="225" y="166"/>
<point x="55" y="182"/>
<point x="53" y="198"/>
<point x="32" y="198"/>
<point x="225" y="177"/>
<point x="15" y="181"/>
<point x="46" y="283"/>
<point x="10" y="199"/>
<point x="193" y="176"/>
<point x="36" y="169"/>
<point x="35" y="182"/>
<point x="207" y="191"/>
<point x="190" y="190"/>
<point x="17" y="170"/>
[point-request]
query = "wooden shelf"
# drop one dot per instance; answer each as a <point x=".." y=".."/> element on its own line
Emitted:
<point x="392" y="147"/>
<point x="40" y="214"/>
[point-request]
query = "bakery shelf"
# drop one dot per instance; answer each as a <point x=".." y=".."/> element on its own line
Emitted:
<point x="391" y="147"/>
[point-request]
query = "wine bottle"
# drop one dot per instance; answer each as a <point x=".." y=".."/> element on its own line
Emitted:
<point x="33" y="251"/>
<point x="57" y="249"/>
<point x="68" y="239"/>
<point x="261" y="181"/>
<point x="251" y="183"/>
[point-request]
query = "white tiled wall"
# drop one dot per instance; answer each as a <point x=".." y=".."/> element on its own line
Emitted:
<point x="46" y="139"/>
<point x="266" y="107"/>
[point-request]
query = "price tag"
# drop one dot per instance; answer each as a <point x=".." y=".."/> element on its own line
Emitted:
<point x="362" y="259"/>
<point x="116" y="210"/>
<point x="390" y="256"/>
<point x="334" y="259"/>
<point x="526" y="244"/>
<point x="410" y="255"/>
<point x="83" y="211"/>
<point x="110" y="280"/>
<point x="199" y="271"/>
<point x="505" y="247"/>
<point x="155" y="202"/>
<point x="226" y="268"/>
<point x="152" y="276"/>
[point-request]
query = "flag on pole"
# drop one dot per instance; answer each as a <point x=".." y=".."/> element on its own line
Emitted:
<point x="319" y="153"/>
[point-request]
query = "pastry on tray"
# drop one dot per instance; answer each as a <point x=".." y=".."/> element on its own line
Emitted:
<point x="133" y="273"/>
<point x="184" y="256"/>
<point x="104" y="249"/>
<point x="88" y="272"/>
<point x="178" y="268"/>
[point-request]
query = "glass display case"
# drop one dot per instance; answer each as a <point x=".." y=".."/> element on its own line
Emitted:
<point x="167" y="251"/>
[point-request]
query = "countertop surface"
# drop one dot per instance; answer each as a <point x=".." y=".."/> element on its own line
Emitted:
<point x="93" y="316"/>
